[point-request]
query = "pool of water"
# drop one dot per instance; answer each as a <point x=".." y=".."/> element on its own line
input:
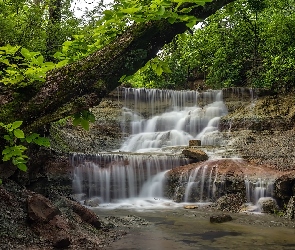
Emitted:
<point x="190" y="229"/>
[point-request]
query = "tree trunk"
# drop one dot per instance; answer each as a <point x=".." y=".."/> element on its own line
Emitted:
<point x="83" y="84"/>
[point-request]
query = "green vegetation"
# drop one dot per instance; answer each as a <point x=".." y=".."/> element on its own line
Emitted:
<point x="246" y="43"/>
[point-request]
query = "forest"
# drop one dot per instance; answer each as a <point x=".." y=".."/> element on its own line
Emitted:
<point x="54" y="64"/>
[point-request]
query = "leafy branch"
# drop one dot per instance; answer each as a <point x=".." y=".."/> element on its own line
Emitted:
<point x="15" y="149"/>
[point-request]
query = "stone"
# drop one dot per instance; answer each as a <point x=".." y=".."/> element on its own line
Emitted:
<point x="290" y="211"/>
<point x="195" y="154"/>
<point x="85" y="214"/>
<point x="40" y="209"/>
<point x="267" y="205"/>
<point x="190" y="207"/>
<point x="220" y="218"/>
<point x="230" y="202"/>
<point x="194" y="143"/>
<point x="92" y="202"/>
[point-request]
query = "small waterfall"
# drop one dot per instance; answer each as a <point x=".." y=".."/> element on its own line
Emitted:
<point x="258" y="188"/>
<point x="200" y="185"/>
<point x="113" y="177"/>
<point x="159" y="118"/>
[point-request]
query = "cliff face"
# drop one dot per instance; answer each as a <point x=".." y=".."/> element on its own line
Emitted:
<point x="261" y="129"/>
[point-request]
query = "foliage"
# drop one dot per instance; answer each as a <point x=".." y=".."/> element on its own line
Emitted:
<point x="83" y="118"/>
<point x="247" y="43"/>
<point x="16" y="139"/>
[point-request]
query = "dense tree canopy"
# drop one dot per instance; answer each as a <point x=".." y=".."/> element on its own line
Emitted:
<point x="248" y="43"/>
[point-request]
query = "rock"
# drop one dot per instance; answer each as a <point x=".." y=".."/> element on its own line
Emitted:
<point x="230" y="202"/>
<point x="220" y="218"/>
<point x="40" y="209"/>
<point x="195" y="154"/>
<point x="194" y="143"/>
<point x="267" y="205"/>
<point x="85" y="214"/>
<point x="92" y="202"/>
<point x="190" y="207"/>
<point x="290" y="212"/>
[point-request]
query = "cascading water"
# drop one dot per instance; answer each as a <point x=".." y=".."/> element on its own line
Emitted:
<point x="177" y="120"/>
<point x="151" y="120"/>
<point x="113" y="177"/>
<point x="200" y="186"/>
<point x="257" y="189"/>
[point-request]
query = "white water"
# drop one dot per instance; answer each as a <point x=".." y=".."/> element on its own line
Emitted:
<point x="151" y="120"/>
<point x="258" y="189"/>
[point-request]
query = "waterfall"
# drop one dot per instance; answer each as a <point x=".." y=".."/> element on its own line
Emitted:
<point x="151" y="120"/>
<point x="160" y="118"/>
<point x="200" y="185"/>
<point x="258" y="188"/>
<point x="112" y="177"/>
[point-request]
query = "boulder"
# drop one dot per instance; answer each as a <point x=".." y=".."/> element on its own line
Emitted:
<point x="85" y="214"/>
<point x="197" y="154"/>
<point x="220" y="218"/>
<point x="40" y="209"/>
<point x="94" y="202"/>
<point x="267" y="205"/>
<point x="194" y="143"/>
<point x="230" y="202"/>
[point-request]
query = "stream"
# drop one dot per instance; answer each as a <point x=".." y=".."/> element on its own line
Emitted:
<point x="190" y="229"/>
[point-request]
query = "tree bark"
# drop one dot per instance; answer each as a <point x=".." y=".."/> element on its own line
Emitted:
<point x="83" y="84"/>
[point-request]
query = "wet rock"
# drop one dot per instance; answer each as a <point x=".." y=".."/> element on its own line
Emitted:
<point x="284" y="186"/>
<point x="230" y="202"/>
<point x="86" y="215"/>
<point x="290" y="212"/>
<point x="197" y="154"/>
<point x="267" y="205"/>
<point x="40" y="209"/>
<point x="194" y="143"/>
<point x="92" y="202"/>
<point x="220" y="218"/>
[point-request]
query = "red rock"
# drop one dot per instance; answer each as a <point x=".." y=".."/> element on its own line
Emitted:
<point x="40" y="209"/>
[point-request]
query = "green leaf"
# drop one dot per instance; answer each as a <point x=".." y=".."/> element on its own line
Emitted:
<point x="122" y="78"/>
<point x="16" y="124"/>
<point x="0" y="182"/>
<point x="171" y="20"/>
<point x="130" y="10"/>
<point x="161" y="11"/>
<point x="22" y="167"/>
<point x="6" y="151"/>
<point x="62" y="63"/>
<point x="19" y="133"/>
<point x="7" y="137"/>
<point x="85" y="124"/>
<point x="77" y="121"/>
<point x="159" y="70"/>
<point x="26" y="53"/>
